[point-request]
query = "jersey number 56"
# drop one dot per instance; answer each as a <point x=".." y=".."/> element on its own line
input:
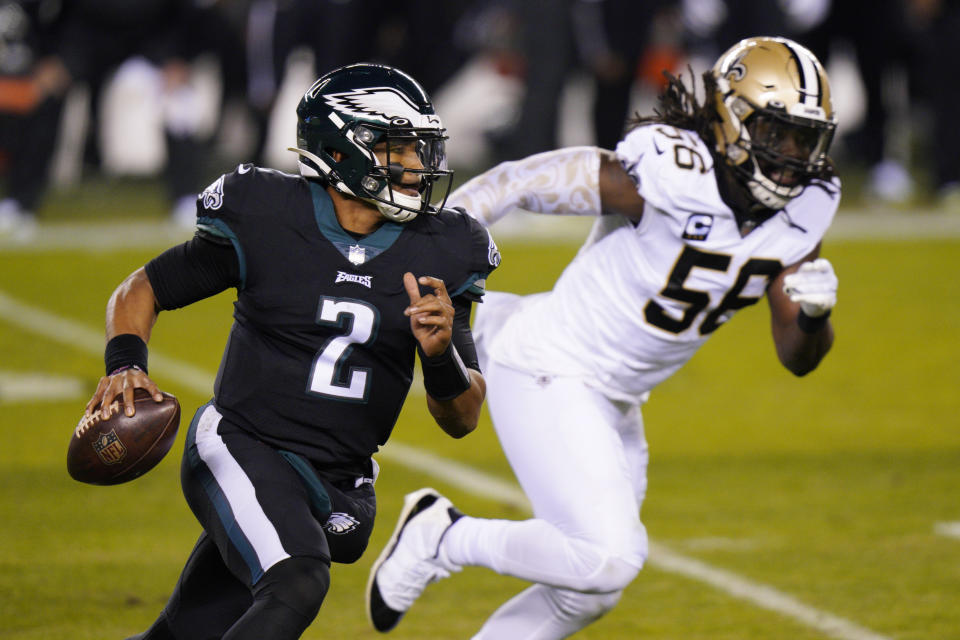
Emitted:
<point x="697" y="301"/>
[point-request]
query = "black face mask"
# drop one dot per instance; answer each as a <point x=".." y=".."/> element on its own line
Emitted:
<point x="787" y="152"/>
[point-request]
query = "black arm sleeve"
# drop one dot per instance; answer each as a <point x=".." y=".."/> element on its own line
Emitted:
<point x="462" y="337"/>
<point x="192" y="271"/>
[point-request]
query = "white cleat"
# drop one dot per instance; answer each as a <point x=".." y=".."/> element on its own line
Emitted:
<point x="412" y="559"/>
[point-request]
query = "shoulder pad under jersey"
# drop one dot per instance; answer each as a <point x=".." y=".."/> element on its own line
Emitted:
<point x="468" y="243"/>
<point x="672" y="168"/>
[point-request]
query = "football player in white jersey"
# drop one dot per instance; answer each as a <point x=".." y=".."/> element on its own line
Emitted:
<point x="702" y="209"/>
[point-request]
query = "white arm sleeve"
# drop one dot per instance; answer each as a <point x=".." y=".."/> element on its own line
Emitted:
<point x="562" y="182"/>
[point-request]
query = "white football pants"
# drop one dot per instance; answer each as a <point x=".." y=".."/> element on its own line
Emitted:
<point x="581" y="459"/>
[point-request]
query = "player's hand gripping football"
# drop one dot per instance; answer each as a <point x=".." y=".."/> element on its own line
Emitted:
<point x="431" y="316"/>
<point x="123" y="382"/>
<point x="814" y="286"/>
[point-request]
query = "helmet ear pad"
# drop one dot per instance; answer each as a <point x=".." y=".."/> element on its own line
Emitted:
<point x="728" y="127"/>
<point x="350" y="165"/>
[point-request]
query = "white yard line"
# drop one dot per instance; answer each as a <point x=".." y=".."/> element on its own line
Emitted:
<point x="465" y="478"/>
<point x="478" y="483"/>
<point x="95" y="236"/>
<point x="28" y="386"/>
<point x="764" y="596"/>
<point x="73" y="334"/>
<point x="519" y="226"/>
<point x="948" y="529"/>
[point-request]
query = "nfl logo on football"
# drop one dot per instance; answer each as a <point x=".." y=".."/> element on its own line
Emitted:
<point x="109" y="448"/>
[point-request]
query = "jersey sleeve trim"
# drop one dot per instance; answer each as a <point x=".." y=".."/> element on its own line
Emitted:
<point x="475" y="284"/>
<point x="219" y="228"/>
<point x="478" y="288"/>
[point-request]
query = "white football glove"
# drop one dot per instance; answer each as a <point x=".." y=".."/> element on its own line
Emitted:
<point x="814" y="286"/>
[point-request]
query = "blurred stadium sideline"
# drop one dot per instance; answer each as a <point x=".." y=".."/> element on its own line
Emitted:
<point x="476" y="101"/>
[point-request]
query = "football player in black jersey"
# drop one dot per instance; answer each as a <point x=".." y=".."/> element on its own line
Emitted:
<point x="342" y="274"/>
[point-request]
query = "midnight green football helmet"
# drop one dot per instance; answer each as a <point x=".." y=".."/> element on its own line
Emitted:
<point x="352" y="109"/>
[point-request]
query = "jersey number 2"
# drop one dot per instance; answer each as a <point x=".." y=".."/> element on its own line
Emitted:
<point x="360" y="322"/>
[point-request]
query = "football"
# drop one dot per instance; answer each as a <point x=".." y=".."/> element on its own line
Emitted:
<point x="122" y="448"/>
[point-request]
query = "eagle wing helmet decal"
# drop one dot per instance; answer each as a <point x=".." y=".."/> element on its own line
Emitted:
<point x="353" y="113"/>
<point x="379" y="103"/>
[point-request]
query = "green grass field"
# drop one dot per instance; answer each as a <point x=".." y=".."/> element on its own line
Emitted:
<point x="827" y="489"/>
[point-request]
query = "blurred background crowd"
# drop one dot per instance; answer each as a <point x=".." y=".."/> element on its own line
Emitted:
<point x="184" y="89"/>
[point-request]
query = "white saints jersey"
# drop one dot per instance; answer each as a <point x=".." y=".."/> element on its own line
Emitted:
<point x="637" y="303"/>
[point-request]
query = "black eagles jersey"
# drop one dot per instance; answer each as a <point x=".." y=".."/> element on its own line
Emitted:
<point x="320" y="356"/>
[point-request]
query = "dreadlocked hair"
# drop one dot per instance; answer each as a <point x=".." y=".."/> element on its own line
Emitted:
<point x="678" y="106"/>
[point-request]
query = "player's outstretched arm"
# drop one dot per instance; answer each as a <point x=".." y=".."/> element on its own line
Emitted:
<point x="454" y="392"/>
<point x="581" y="181"/>
<point x="801" y="298"/>
<point x="131" y="314"/>
<point x="563" y="182"/>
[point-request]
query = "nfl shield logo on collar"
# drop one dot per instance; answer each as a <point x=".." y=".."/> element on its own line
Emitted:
<point x="357" y="255"/>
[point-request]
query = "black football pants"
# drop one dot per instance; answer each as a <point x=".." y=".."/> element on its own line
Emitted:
<point x="272" y="525"/>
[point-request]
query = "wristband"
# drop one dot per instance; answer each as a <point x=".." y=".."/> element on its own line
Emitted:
<point x="444" y="376"/>
<point x="124" y="368"/>
<point x="124" y="351"/>
<point x="811" y="325"/>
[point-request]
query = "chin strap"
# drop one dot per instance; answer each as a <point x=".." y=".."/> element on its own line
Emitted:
<point x="392" y="212"/>
<point x="388" y="210"/>
<point x="765" y="196"/>
<point x="563" y="182"/>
